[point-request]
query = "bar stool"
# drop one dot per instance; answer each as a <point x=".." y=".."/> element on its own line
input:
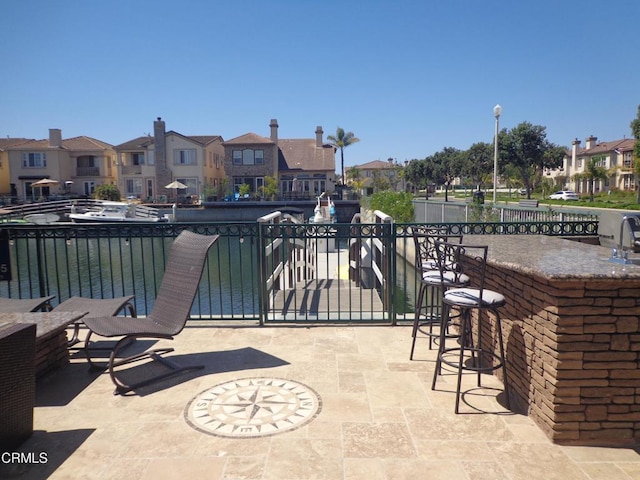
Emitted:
<point x="469" y="260"/>
<point x="428" y="310"/>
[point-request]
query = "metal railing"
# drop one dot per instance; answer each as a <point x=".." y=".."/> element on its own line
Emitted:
<point x="252" y="267"/>
<point x="438" y="211"/>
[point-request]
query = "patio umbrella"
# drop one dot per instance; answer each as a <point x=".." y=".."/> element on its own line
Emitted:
<point x="176" y="184"/>
<point x="45" y="182"/>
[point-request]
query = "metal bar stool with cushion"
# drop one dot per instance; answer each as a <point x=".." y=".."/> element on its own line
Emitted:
<point x="469" y="354"/>
<point x="428" y="301"/>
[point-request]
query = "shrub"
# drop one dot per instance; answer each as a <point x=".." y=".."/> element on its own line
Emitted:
<point x="398" y="205"/>
<point x="107" y="192"/>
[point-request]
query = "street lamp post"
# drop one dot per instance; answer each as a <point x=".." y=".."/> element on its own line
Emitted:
<point x="497" y="111"/>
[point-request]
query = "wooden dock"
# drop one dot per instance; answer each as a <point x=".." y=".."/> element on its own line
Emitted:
<point x="332" y="297"/>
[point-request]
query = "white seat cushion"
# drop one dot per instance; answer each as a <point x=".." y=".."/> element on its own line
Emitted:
<point x="433" y="277"/>
<point x="429" y="265"/>
<point x="469" y="297"/>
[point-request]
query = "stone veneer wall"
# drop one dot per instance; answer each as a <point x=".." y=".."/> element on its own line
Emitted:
<point x="51" y="352"/>
<point x="573" y="348"/>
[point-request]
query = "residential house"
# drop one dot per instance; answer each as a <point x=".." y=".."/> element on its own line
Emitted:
<point x="147" y="164"/>
<point x="6" y="189"/>
<point x="79" y="164"/>
<point x="378" y="173"/>
<point x="615" y="156"/>
<point x="303" y="168"/>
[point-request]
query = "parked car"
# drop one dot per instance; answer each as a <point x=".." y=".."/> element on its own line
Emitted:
<point x="564" y="195"/>
<point x="522" y="191"/>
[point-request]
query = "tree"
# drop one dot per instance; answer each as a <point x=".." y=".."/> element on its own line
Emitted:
<point x="107" y="192"/>
<point x="527" y="149"/>
<point x="355" y="180"/>
<point x="270" y="188"/>
<point x="476" y="162"/>
<point x="420" y="173"/>
<point x="595" y="172"/>
<point x="353" y="174"/>
<point x="342" y="140"/>
<point x="635" y="130"/>
<point x="379" y="181"/>
<point x="445" y="167"/>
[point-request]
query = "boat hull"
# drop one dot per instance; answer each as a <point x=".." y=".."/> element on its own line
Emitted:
<point x="83" y="218"/>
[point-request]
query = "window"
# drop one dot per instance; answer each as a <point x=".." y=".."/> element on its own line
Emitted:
<point x="88" y="187"/>
<point x="579" y="163"/>
<point x="318" y="186"/>
<point x="248" y="157"/>
<point x="137" y="158"/>
<point x="86" y="161"/>
<point x="184" y="157"/>
<point x="628" y="182"/>
<point x="152" y="159"/>
<point x="34" y="160"/>
<point x="134" y="186"/>
<point x="192" y="186"/>
<point x="627" y="161"/>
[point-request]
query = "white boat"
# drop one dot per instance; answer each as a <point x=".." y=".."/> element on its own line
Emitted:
<point x="118" y="212"/>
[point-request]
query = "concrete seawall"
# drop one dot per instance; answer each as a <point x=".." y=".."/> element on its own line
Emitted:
<point x="247" y="211"/>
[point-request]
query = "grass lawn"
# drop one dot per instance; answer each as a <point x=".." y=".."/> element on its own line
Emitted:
<point x="617" y="199"/>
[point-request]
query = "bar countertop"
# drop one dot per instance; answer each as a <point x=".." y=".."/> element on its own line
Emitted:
<point x="553" y="257"/>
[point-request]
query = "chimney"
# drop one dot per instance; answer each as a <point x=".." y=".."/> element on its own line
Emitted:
<point x="274" y="130"/>
<point x="159" y="145"/>
<point x="319" y="133"/>
<point x="575" y="145"/>
<point x="591" y="142"/>
<point x="163" y="174"/>
<point x="55" y="138"/>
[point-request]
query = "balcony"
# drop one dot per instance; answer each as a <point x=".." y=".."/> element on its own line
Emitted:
<point x="131" y="169"/>
<point x="88" y="172"/>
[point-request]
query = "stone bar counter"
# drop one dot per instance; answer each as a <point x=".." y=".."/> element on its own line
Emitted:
<point x="572" y="336"/>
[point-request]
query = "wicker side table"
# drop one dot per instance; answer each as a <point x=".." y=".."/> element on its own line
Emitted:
<point x="17" y="383"/>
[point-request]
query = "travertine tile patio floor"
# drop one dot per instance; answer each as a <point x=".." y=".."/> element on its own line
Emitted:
<point x="379" y="418"/>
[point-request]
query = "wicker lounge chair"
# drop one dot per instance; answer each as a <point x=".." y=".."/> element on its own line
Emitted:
<point x="11" y="305"/>
<point x="96" y="307"/>
<point x="171" y="310"/>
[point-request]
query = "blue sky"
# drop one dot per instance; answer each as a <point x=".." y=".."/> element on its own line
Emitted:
<point x="408" y="78"/>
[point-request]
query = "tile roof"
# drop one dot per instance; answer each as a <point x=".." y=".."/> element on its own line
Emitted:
<point x="85" y="143"/>
<point x="12" y="142"/>
<point x="375" y="165"/>
<point x="249" y="138"/>
<point x="204" y="139"/>
<point x="623" y="145"/>
<point x="146" y="140"/>
<point x="140" y="142"/>
<point x="76" y="143"/>
<point x="303" y="154"/>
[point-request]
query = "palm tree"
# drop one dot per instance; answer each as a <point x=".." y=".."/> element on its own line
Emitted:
<point x="592" y="173"/>
<point x="341" y="141"/>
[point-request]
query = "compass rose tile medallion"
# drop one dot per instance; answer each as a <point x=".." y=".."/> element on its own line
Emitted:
<point x="253" y="407"/>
